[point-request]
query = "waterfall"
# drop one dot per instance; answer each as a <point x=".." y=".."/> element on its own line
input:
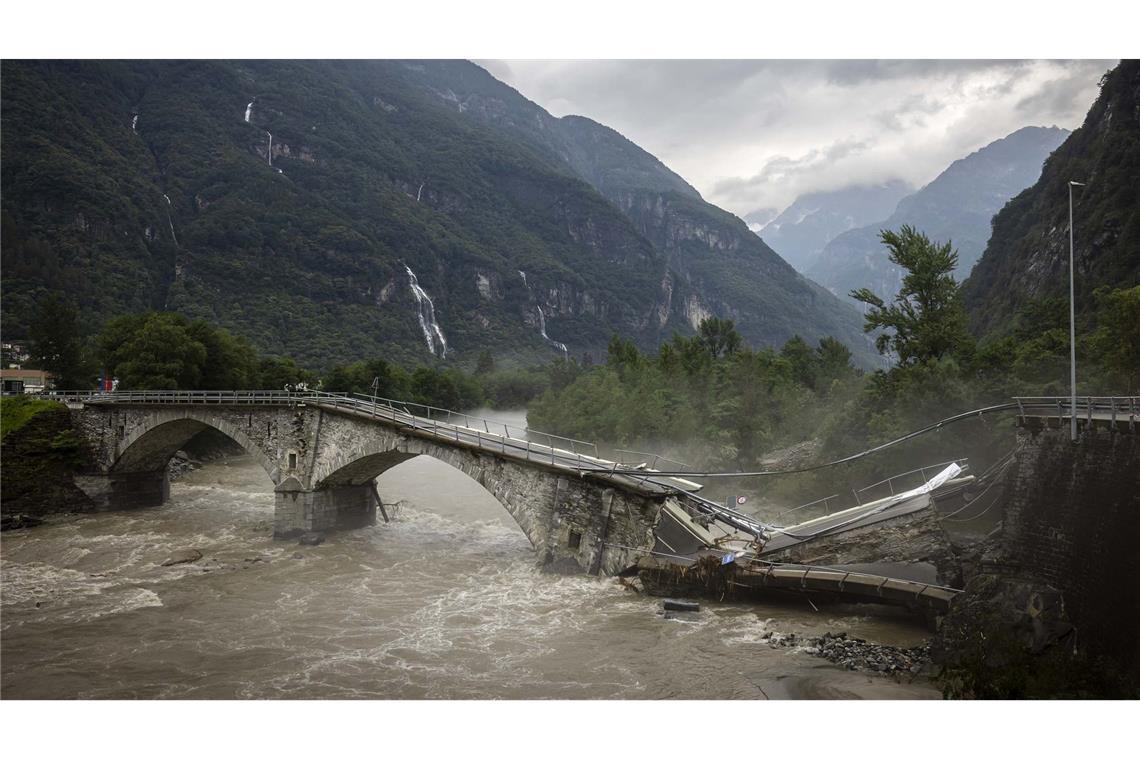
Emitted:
<point x="542" y="328"/>
<point x="135" y="123"/>
<point x="420" y="192"/>
<point x="270" y="146"/>
<point x="542" y="321"/>
<point x="425" y="311"/>
<point x="248" y="110"/>
<point x="169" y="220"/>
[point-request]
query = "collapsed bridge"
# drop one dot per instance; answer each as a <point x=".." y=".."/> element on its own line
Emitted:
<point x="581" y="512"/>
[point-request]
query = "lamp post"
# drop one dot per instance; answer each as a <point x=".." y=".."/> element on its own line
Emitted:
<point x="1072" y="326"/>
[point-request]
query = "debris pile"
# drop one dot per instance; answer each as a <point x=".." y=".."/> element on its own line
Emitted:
<point x="856" y="654"/>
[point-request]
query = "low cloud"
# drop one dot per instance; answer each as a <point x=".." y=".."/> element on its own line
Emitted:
<point x="756" y="134"/>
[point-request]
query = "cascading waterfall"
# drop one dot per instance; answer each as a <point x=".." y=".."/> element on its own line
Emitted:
<point x="168" y="219"/>
<point x="420" y="192"/>
<point x="425" y="311"/>
<point x="135" y="123"/>
<point x="542" y="328"/>
<point x="248" y="111"/>
<point x="270" y="146"/>
<point x="542" y="320"/>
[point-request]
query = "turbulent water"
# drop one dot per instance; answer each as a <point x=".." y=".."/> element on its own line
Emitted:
<point x="443" y="602"/>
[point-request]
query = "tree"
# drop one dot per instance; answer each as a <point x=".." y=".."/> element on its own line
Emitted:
<point x="275" y="372"/>
<point x="720" y="336"/>
<point x="834" y="362"/>
<point x="486" y="363"/>
<point x="56" y="345"/>
<point x="153" y="351"/>
<point x="927" y="319"/>
<point x="1117" y="339"/>
<point x="803" y="360"/>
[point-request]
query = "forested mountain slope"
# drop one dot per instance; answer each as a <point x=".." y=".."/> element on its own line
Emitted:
<point x="333" y="210"/>
<point x="1028" y="254"/>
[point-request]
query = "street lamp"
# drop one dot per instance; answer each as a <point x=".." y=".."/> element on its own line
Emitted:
<point x="1072" y="326"/>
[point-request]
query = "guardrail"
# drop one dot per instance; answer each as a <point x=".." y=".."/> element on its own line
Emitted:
<point x="889" y="482"/>
<point x="1087" y="406"/>
<point x="647" y="458"/>
<point x="442" y="423"/>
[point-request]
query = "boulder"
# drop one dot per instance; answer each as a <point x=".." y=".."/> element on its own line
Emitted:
<point x="311" y="539"/>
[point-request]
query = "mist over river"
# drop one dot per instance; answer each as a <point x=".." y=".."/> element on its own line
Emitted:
<point x="446" y="601"/>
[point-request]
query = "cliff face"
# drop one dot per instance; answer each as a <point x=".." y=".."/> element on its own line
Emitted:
<point x="1028" y="253"/>
<point x="335" y="210"/>
<point x="714" y="265"/>
<point x="957" y="206"/>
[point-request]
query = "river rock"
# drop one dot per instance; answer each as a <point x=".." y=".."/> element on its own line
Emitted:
<point x="681" y="605"/>
<point x="17" y="521"/>
<point x="311" y="539"/>
<point x="183" y="556"/>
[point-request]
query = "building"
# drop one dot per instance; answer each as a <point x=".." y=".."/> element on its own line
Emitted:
<point x="25" y="380"/>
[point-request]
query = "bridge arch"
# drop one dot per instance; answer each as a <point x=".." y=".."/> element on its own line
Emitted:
<point x="149" y="444"/>
<point x="527" y="496"/>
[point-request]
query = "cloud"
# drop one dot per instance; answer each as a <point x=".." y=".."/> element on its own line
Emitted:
<point x="756" y="134"/>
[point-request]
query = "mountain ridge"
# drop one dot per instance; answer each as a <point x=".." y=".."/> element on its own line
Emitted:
<point x="957" y="205"/>
<point x="314" y="184"/>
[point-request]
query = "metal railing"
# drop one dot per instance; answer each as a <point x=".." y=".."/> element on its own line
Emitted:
<point x="826" y="501"/>
<point x="1087" y="407"/>
<point x="923" y="472"/>
<point x="647" y="458"/>
<point x="446" y="424"/>
<point x="890" y="482"/>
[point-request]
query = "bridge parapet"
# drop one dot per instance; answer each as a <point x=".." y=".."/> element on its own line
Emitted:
<point x="1118" y="413"/>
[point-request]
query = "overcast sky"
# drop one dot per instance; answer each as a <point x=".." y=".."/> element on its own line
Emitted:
<point x="756" y="134"/>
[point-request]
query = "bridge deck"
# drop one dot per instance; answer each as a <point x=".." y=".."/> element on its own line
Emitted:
<point x="516" y="446"/>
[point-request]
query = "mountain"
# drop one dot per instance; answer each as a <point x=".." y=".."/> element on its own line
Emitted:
<point x="758" y="219"/>
<point x="1028" y="253"/>
<point x="420" y="210"/>
<point x="802" y="230"/>
<point x="957" y="206"/>
<point x="715" y="266"/>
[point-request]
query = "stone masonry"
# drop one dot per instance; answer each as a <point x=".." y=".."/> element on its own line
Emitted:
<point x="323" y="464"/>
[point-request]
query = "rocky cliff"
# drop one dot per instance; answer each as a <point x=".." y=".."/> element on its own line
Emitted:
<point x="1028" y="254"/>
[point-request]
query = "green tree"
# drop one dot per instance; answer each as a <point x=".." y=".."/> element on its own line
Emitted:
<point x="803" y="360"/>
<point x="1117" y="338"/>
<point x="834" y="363"/>
<point x="275" y="372"/>
<point x="486" y="363"/>
<point x="230" y="364"/>
<point x="720" y="336"/>
<point x="927" y="319"/>
<point x="56" y="344"/>
<point x="153" y="351"/>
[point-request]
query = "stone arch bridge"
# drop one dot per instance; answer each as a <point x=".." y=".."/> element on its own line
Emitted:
<point x="323" y="452"/>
